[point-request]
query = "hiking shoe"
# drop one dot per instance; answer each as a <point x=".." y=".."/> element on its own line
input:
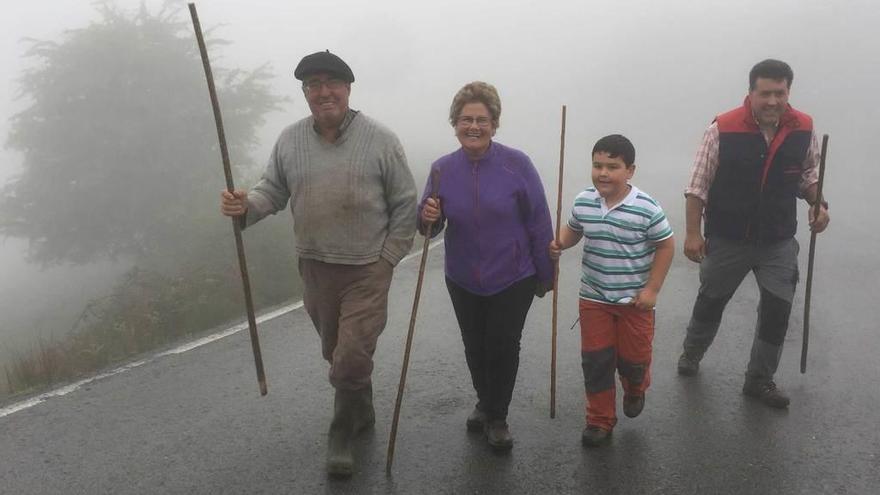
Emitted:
<point x="476" y="421"/>
<point x="767" y="393"/>
<point x="688" y="364"/>
<point x="593" y="436"/>
<point x="498" y="435"/>
<point x="633" y="405"/>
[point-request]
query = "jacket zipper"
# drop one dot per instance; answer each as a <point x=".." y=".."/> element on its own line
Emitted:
<point x="476" y="176"/>
<point x="768" y="156"/>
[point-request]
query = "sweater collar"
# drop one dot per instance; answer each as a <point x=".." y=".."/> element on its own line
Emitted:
<point x="346" y="121"/>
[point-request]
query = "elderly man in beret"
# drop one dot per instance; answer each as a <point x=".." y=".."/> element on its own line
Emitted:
<point x="353" y="201"/>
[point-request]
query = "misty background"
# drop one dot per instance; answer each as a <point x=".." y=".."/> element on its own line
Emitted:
<point x="655" y="71"/>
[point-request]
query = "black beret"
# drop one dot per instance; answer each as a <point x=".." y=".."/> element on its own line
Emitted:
<point x="323" y="62"/>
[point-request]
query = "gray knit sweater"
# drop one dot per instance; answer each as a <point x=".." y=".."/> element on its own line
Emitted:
<point x="352" y="201"/>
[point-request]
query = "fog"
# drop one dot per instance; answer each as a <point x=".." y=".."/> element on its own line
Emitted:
<point x="656" y="71"/>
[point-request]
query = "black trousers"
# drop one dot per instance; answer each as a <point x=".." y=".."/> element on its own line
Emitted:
<point x="491" y="328"/>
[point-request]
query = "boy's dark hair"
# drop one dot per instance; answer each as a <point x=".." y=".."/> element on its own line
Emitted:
<point x="616" y="145"/>
<point x="771" y="69"/>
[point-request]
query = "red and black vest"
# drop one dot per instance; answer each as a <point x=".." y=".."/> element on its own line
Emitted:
<point x="754" y="193"/>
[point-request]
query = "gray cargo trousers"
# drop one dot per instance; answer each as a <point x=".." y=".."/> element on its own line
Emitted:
<point x="722" y="270"/>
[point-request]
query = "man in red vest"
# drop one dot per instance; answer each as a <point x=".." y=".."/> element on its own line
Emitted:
<point x="753" y="164"/>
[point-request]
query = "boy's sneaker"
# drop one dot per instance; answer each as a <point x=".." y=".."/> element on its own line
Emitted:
<point x="593" y="436"/>
<point x="688" y="364"/>
<point x="767" y="393"/>
<point x="476" y="421"/>
<point x="633" y="405"/>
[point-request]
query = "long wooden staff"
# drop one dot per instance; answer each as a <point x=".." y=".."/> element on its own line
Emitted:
<point x="819" y="198"/>
<point x="556" y="271"/>
<point x="435" y="185"/>
<point x="239" y="245"/>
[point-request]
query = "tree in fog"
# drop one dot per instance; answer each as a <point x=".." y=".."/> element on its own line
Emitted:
<point x="118" y="143"/>
<point x="120" y="159"/>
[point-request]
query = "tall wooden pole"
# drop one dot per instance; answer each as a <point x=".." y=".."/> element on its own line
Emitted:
<point x="809" y="291"/>
<point x="435" y="186"/>
<point x="556" y="271"/>
<point x="236" y="228"/>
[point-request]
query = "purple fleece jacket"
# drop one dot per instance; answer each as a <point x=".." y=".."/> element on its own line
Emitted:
<point x="498" y="226"/>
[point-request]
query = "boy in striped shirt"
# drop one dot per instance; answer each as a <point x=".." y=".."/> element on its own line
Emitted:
<point x="627" y="253"/>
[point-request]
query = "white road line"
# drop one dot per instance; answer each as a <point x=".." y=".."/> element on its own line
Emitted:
<point x="62" y="391"/>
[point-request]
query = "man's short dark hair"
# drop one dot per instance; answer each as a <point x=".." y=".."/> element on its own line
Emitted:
<point x="616" y="145"/>
<point x="770" y="69"/>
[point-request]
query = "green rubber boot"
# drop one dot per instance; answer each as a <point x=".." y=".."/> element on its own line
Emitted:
<point x="365" y="415"/>
<point x="340" y="461"/>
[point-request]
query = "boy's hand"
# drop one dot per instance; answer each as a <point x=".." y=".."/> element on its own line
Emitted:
<point x="646" y="299"/>
<point x="555" y="249"/>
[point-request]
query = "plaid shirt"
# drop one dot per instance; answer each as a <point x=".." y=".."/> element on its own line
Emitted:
<point x="706" y="163"/>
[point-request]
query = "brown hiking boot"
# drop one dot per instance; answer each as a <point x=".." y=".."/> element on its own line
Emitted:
<point x="593" y="436"/>
<point x="767" y="393"/>
<point x="476" y="421"/>
<point x="633" y="405"/>
<point x="498" y="434"/>
<point x="340" y="462"/>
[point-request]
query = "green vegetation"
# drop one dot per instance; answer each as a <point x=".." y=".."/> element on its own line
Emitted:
<point x="120" y="160"/>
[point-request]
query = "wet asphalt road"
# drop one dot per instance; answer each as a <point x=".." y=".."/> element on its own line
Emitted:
<point x="195" y="423"/>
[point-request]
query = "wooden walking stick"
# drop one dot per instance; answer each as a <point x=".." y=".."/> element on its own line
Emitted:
<point x="819" y="198"/>
<point x="435" y="185"/>
<point x="239" y="245"/>
<point x="556" y="272"/>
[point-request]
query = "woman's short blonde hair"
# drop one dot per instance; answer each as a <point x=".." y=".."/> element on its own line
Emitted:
<point x="477" y="92"/>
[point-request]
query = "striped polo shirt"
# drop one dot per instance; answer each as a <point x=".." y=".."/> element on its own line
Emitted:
<point x="620" y="243"/>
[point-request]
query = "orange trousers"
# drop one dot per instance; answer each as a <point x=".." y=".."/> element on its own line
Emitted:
<point x="614" y="337"/>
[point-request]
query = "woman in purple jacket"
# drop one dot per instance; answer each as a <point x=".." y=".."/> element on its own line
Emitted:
<point x="498" y="227"/>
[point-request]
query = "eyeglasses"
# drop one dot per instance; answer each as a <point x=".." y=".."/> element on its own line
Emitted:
<point x="314" y="85"/>
<point x="469" y="121"/>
